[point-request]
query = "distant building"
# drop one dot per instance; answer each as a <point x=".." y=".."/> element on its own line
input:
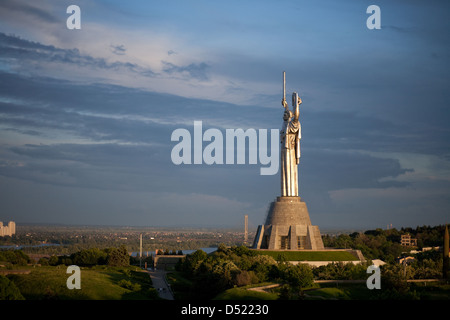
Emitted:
<point x="165" y="262"/>
<point x="378" y="262"/>
<point x="407" y="241"/>
<point x="245" y="229"/>
<point x="8" y="230"/>
<point x="406" y="260"/>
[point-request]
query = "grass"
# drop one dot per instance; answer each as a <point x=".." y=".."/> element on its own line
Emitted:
<point x="322" y="292"/>
<point x="346" y="291"/>
<point x="99" y="283"/>
<point x="432" y="291"/>
<point x="180" y="286"/>
<point x="311" y="255"/>
<point x="244" y="294"/>
<point x="328" y="293"/>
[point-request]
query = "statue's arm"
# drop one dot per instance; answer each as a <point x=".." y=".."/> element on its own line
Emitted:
<point x="296" y="102"/>
<point x="297" y="110"/>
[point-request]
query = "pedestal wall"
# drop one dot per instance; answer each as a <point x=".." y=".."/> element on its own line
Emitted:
<point x="288" y="211"/>
<point x="288" y="227"/>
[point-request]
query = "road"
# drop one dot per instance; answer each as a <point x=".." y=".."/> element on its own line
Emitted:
<point x="160" y="284"/>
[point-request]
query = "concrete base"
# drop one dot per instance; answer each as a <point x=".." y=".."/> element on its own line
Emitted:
<point x="288" y="227"/>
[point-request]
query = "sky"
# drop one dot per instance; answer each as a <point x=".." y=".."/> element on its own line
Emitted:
<point x="86" y="115"/>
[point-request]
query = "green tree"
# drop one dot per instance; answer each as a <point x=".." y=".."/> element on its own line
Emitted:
<point x="343" y="241"/>
<point x="298" y="277"/>
<point x="281" y="258"/>
<point x="446" y="259"/>
<point x="8" y="290"/>
<point x="192" y="261"/>
<point x="393" y="279"/>
<point x="53" y="260"/>
<point x="118" y="257"/>
<point x="244" y="278"/>
<point x="89" y="257"/>
<point x="17" y="257"/>
<point x="43" y="261"/>
<point x="129" y="285"/>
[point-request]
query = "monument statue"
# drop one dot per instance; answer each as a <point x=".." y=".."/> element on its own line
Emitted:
<point x="287" y="225"/>
<point x="290" y="136"/>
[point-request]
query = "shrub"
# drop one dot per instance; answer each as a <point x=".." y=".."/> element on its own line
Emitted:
<point x="15" y="257"/>
<point x="8" y="290"/>
<point x="89" y="257"/>
<point x="129" y="285"/>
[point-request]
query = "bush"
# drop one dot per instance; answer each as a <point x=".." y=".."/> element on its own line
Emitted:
<point x="152" y="293"/>
<point x="129" y="285"/>
<point x="8" y="290"/>
<point x="341" y="271"/>
<point x="15" y="257"/>
<point x="53" y="261"/>
<point x="89" y="257"/>
<point x="244" y="278"/>
<point x="118" y="257"/>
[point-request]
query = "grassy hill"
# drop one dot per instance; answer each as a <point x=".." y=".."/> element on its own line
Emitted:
<point x="98" y="283"/>
<point x="347" y="291"/>
<point x="244" y="294"/>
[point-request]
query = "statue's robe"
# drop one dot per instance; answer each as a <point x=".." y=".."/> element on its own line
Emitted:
<point x="290" y="136"/>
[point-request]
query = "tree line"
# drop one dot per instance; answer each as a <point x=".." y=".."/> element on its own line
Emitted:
<point x="238" y="266"/>
<point x="116" y="257"/>
<point x="385" y="244"/>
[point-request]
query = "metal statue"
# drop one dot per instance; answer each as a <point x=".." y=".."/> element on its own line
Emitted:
<point x="290" y="136"/>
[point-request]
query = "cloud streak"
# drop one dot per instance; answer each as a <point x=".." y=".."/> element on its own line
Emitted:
<point x="193" y="70"/>
<point x="26" y="52"/>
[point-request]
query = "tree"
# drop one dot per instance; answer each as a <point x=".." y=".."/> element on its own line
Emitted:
<point x="343" y="241"/>
<point x="394" y="280"/>
<point x="446" y="261"/>
<point x="244" y="278"/>
<point x="118" y="257"/>
<point x="8" y="290"/>
<point x="17" y="257"/>
<point x="53" y="260"/>
<point x="193" y="260"/>
<point x="298" y="277"/>
<point x="43" y="261"/>
<point x="89" y="257"/>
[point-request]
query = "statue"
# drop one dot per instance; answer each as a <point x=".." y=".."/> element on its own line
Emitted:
<point x="287" y="225"/>
<point x="290" y="136"/>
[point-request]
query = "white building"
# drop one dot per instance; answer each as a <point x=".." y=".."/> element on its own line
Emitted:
<point x="8" y="230"/>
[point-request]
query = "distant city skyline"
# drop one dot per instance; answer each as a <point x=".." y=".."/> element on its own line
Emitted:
<point x="86" y="115"/>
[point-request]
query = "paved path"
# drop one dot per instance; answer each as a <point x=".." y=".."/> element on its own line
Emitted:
<point x="159" y="283"/>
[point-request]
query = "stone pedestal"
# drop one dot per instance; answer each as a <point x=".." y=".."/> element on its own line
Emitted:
<point x="288" y="227"/>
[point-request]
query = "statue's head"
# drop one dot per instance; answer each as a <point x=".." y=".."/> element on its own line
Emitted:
<point x="287" y="115"/>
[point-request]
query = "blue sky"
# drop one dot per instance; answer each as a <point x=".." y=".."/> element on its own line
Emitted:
<point x="86" y="115"/>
